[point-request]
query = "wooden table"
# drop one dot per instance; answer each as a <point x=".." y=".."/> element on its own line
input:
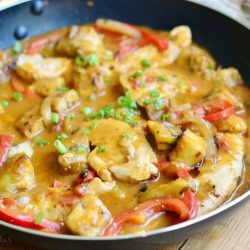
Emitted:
<point x="232" y="234"/>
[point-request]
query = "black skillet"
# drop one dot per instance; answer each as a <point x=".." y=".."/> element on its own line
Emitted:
<point x="227" y="40"/>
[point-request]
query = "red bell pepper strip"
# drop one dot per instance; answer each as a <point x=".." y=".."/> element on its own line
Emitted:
<point x="214" y="110"/>
<point x="40" y="43"/>
<point x="141" y="213"/>
<point x="5" y="144"/>
<point x="189" y="198"/>
<point x="166" y="168"/>
<point x="18" y="85"/>
<point x="149" y="37"/>
<point x="28" y="221"/>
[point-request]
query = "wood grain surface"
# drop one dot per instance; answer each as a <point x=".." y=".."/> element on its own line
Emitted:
<point x="231" y="234"/>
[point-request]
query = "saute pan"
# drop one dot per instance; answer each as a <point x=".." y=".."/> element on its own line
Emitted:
<point x="227" y="41"/>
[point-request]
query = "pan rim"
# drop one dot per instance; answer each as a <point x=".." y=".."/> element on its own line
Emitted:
<point x="171" y="228"/>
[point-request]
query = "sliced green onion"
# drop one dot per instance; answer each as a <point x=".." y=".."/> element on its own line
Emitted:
<point x="108" y="111"/>
<point x="161" y="78"/>
<point x="210" y="67"/>
<point x="79" y="61"/>
<point x="155" y="93"/>
<point x="87" y="111"/>
<point x="17" y="96"/>
<point x="118" y="113"/>
<point x="55" y="117"/>
<point x="60" y="147"/>
<point x="137" y="73"/>
<point x="63" y="89"/>
<point x="147" y="101"/>
<point x="101" y="149"/>
<point x="62" y="136"/>
<point x="82" y="150"/>
<point x="146" y="63"/>
<point x="17" y="47"/>
<point x="41" y="143"/>
<point x="93" y="60"/>
<point x="70" y="116"/>
<point x="38" y="218"/>
<point x="126" y="134"/>
<point x="164" y="117"/>
<point x="180" y="84"/>
<point x="4" y="103"/>
<point x="159" y="103"/>
<point x="86" y="131"/>
<point x="100" y="114"/>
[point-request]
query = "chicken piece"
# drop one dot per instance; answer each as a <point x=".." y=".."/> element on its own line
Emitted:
<point x="230" y="76"/>
<point x="58" y="102"/>
<point x="181" y="35"/>
<point x="65" y="101"/>
<point x="170" y="55"/>
<point x="81" y="40"/>
<point x="75" y="160"/>
<point x="155" y="84"/>
<point x="132" y="61"/>
<point x="88" y="217"/>
<point x="232" y="124"/>
<point x="49" y="86"/>
<point x="121" y="151"/>
<point x="164" y="134"/>
<point x="35" y="67"/>
<point x="97" y="186"/>
<point x="31" y="122"/>
<point x="24" y="147"/>
<point x="217" y="183"/>
<point x="190" y="149"/>
<point x="18" y="174"/>
<point x="197" y="60"/>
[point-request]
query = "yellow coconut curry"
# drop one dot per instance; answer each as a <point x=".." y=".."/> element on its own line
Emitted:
<point x="110" y="129"/>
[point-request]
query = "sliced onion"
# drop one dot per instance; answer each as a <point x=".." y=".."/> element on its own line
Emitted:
<point x="24" y="147"/>
<point x="119" y="27"/>
<point x="46" y="110"/>
<point x="205" y="130"/>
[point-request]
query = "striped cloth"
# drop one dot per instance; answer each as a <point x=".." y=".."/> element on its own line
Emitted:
<point x="237" y="9"/>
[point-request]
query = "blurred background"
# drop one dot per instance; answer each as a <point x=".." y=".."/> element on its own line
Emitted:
<point x="237" y="9"/>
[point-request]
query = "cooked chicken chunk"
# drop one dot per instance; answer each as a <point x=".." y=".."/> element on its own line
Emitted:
<point x="35" y="67"/>
<point x="58" y="102"/>
<point x="164" y="134"/>
<point x="49" y="86"/>
<point x="75" y="160"/>
<point x="230" y="76"/>
<point x="121" y="151"/>
<point x="97" y="186"/>
<point x="155" y="84"/>
<point x="181" y="35"/>
<point x="218" y="182"/>
<point x="18" y="174"/>
<point x="232" y="124"/>
<point x="65" y="101"/>
<point x="190" y="149"/>
<point x="81" y="40"/>
<point x="88" y="217"/>
<point x="31" y="122"/>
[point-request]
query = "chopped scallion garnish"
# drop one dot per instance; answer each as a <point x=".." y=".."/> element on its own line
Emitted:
<point x="154" y="93"/>
<point x="62" y="136"/>
<point x="87" y="111"/>
<point x="17" y="47"/>
<point x="70" y="116"/>
<point x="146" y="63"/>
<point x="38" y="218"/>
<point x="60" y="147"/>
<point x="101" y="149"/>
<point x="93" y="60"/>
<point x="55" y="118"/>
<point x="137" y="73"/>
<point x="17" y="96"/>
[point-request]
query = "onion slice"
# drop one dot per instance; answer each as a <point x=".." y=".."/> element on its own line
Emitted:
<point x="205" y="130"/>
<point x="119" y="27"/>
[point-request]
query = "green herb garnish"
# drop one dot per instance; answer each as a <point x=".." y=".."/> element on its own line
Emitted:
<point x="60" y="147"/>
